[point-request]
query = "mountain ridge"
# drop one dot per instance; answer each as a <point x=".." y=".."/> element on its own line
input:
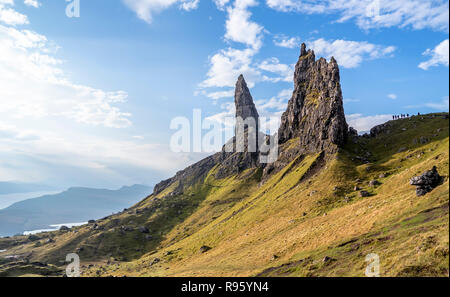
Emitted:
<point x="76" y="204"/>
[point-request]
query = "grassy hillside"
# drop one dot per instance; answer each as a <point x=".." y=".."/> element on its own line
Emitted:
<point x="306" y="220"/>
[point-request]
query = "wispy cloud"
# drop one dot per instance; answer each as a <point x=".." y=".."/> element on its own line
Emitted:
<point x="35" y="85"/>
<point x="350" y="100"/>
<point x="348" y="53"/>
<point x="33" y="3"/>
<point x="229" y="63"/>
<point x="285" y="72"/>
<point x="54" y="129"/>
<point x="392" y="96"/>
<point x="10" y="16"/>
<point x="369" y="14"/>
<point x="439" y="56"/>
<point x="145" y="9"/>
<point x="365" y="123"/>
<point x="285" y="41"/>
<point x="436" y="105"/>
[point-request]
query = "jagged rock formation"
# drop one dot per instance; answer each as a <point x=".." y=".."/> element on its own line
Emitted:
<point x="426" y="182"/>
<point x="189" y="175"/>
<point x="315" y="112"/>
<point x="245" y="108"/>
<point x="315" y="115"/>
<point x="242" y="151"/>
<point x="231" y="159"/>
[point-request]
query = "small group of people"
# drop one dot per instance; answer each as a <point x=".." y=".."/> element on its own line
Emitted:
<point x="401" y="116"/>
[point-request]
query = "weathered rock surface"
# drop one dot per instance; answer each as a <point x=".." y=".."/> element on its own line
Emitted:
<point x="426" y="182"/>
<point x="190" y="175"/>
<point x="245" y="107"/>
<point x="364" y="194"/>
<point x="315" y="115"/>
<point x="204" y="249"/>
<point x="242" y="151"/>
<point x="315" y="112"/>
<point x="232" y="160"/>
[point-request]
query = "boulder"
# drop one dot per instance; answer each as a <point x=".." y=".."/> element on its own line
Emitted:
<point x="364" y="194"/>
<point x="374" y="183"/>
<point x="352" y="132"/>
<point x="155" y="261"/>
<point x="144" y="229"/>
<point x="33" y="237"/>
<point x="426" y="182"/>
<point x="204" y="249"/>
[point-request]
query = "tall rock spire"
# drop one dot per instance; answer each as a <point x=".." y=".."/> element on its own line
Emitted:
<point x="242" y="151"/>
<point x="243" y="100"/>
<point x="315" y="113"/>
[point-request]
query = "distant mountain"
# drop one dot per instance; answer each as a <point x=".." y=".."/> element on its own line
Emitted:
<point x="17" y="187"/>
<point x="71" y="206"/>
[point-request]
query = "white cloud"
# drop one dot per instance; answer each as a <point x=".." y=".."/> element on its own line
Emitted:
<point x="40" y="108"/>
<point x="32" y="84"/>
<point x="238" y="26"/>
<point x="368" y="14"/>
<point x="9" y="16"/>
<point x="227" y="65"/>
<point x="392" y="96"/>
<point x="33" y="3"/>
<point x="49" y="153"/>
<point x="145" y="9"/>
<point x="220" y="94"/>
<point x="439" y="105"/>
<point x="189" y="5"/>
<point x="221" y="3"/>
<point x="365" y="123"/>
<point x="350" y="54"/>
<point x="273" y="65"/>
<point x="350" y="100"/>
<point x="439" y="56"/>
<point x="285" y="41"/>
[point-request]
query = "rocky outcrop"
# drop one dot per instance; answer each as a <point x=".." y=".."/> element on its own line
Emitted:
<point x="242" y="151"/>
<point x="232" y="159"/>
<point x="315" y="112"/>
<point x="426" y="182"/>
<point x="315" y="115"/>
<point x="380" y="129"/>
<point x="188" y="176"/>
<point x="245" y="108"/>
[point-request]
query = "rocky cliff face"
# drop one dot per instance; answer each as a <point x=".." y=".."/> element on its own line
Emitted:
<point x="241" y="152"/>
<point x="245" y="108"/>
<point x="315" y="112"/>
<point x="232" y="160"/>
<point x="315" y="115"/>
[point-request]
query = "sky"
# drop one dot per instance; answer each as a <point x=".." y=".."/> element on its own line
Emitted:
<point x="87" y="100"/>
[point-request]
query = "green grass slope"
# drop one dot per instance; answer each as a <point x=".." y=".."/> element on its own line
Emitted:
<point x="306" y="220"/>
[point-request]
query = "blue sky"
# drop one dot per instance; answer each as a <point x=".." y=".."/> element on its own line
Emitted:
<point x="88" y="101"/>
